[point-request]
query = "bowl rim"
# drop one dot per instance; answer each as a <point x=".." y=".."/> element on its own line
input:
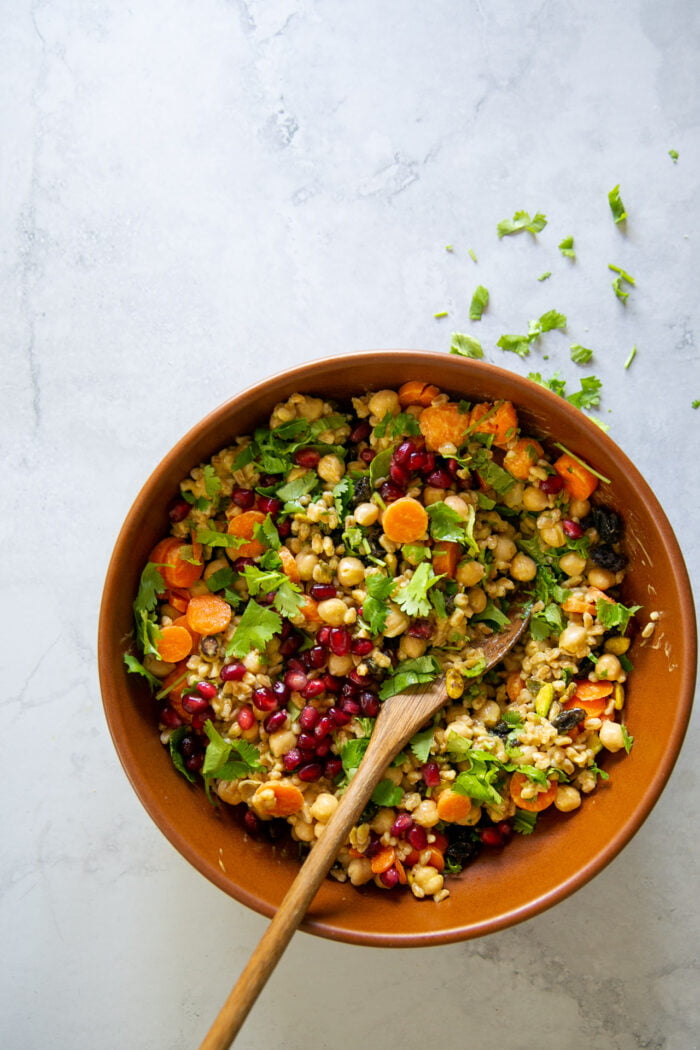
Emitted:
<point x="325" y="926"/>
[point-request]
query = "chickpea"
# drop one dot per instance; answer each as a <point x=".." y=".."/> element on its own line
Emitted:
<point x="310" y="408"/>
<point x="469" y="573"/>
<point x="331" y="469"/>
<point x="611" y="736"/>
<point x="332" y="611"/>
<point x="157" y="667"/>
<point x="574" y="639"/>
<point x="572" y="564"/>
<point x="412" y="648"/>
<point x="608" y="667"/>
<point x="514" y="496"/>
<point x="458" y="505"/>
<point x="579" y="508"/>
<point x="523" y="568"/>
<point x="567" y="798"/>
<point x="340" y="665"/>
<point x="383" y="820"/>
<point x="360" y="871"/>
<point x="431" y="495"/>
<point x="426" y="814"/>
<point x="553" y="536"/>
<point x="366" y="513"/>
<point x="601" y="578"/>
<point x="490" y="713"/>
<point x="505" y="549"/>
<point x="351" y="571"/>
<point x="324" y="807"/>
<point x="396" y="622"/>
<point x="384" y="401"/>
<point x="477" y="599"/>
<point x="306" y="563"/>
<point x="305" y="833"/>
<point x="534" y="499"/>
<point x="282" y="741"/>
<point x="427" y="879"/>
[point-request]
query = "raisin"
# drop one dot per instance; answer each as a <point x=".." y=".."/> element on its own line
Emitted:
<point x="464" y="846"/>
<point x="607" y="558"/>
<point x="363" y="491"/>
<point x="606" y="522"/>
<point x="501" y="729"/>
<point x="568" y="719"/>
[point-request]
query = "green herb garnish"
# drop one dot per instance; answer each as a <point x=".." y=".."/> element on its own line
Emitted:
<point x="522" y="221"/>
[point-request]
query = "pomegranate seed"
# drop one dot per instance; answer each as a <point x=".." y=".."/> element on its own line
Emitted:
<point x="367" y="455"/>
<point x="313" y="688"/>
<point x="252" y="822"/>
<point x="351" y="707"/>
<point x="264" y="699"/>
<point x="420" y="629"/>
<point x="349" y="689"/>
<point x="323" y="727"/>
<point x="296" y="680"/>
<point x="201" y="718"/>
<point x="243" y="498"/>
<point x="453" y="466"/>
<point x="322" y="748"/>
<point x="233" y="672"/>
<point x="316" y="656"/>
<point x="321" y="592"/>
<point x="361" y="646"/>
<point x="307" y="457"/>
<point x="375" y="845"/>
<point x="189" y="745"/>
<point x="281" y="691"/>
<point x="417" y="837"/>
<point x="505" y="829"/>
<point x="360" y="432"/>
<point x="195" y="762"/>
<point x="269" y="504"/>
<point x="245" y="717"/>
<point x="552" y="484"/>
<point x="292" y="759"/>
<point x="178" y="509"/>
<point x="290" y="645"/>
<point x="572" y="529"/>
<point x="431" y="774"/>
<point x="441" y="841"/>
<point x="403" y="453"/>
<point x="332" y="684"/>
<point x="399" y="474"/>
<point x="340" y="641"/>
<point x="275" y="721"/>
<point x="389" y="878"/>
<point x="358" y="679"/>
<point x="194" y="704"/>
<point x="308" y="717"/>
<point x="422" y="460"/>
<point x="306" y="741"/>
<point x="240" y="563"/>
<point x="369" y="705"/>
<point x="266" y="480"/>
<point x="339" y="717"/>
<point x="440" y="478"/>
<point x="206" y="689"/>
<point x="284" y="528"/>
<point x="310" y="771"/>
<point x="286" y="629"/>
<point x="323" y="635"/>
<point x="390" y="491"/>
<point x="170" y="718"/>
<point x="332" y="767"/>
<point x="402" y="825"/>
<point x="491" y="837"/>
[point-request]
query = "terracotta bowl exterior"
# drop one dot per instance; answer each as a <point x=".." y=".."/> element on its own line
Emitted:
<point x="502" y="887"/>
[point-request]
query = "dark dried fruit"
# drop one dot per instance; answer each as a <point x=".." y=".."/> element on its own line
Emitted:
<point x="606" y="522"/>
<point x="464" y="846"/>
<point x="568" y="719"/>
<point x="501" y="729"/>
<point x="363" y="491"/>
<point x="607" y="558"/>
<point x="209" y="646"/>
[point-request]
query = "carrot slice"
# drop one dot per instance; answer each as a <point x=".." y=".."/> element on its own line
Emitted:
<point x="405" y="520"/>
<point x="445" y="558"/>
<point x="309" y="610"/>
<point x="522" y="457"/>
<point x="289" y="565"/>
<point x="452" y="806"/>
<point x="177" y="571"/>
<point x="515" y="683"/>
<point x="178" y="597"/>
<point x="500" y="419"/>
<point x="442" y="425"/>
<point x="288" y="799"/>
<point x="585" y="603"/>
<point x="243" y="526"/>
<point x="593" y="690"/>
<point x="383" y="860"/>
<point x="174" y="644"/>
<point x="415" y="392"/>
<point x="402" y="872"/>
<point x="591" y="697"/>
<point x="436" y="859"/>
<point x="208" y="614"/>
<point x="159" y="554"/>
<point x="578" y="481"/>
<point x="540" y="801"/>
<point x="182" y="622"/>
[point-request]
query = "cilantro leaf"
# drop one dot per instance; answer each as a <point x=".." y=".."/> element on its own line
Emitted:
<point x="556" y="384"/>
<point x="522" y="221"/>
<point x="580" y="355"/>
<point x="421" y="744"/>
<point x="480" y="300"/>
<point x="627" y="737"/>
<point x="379" y="467"/>
<point x="588" y="395"/>
<point x="212" y="482"/>
<point x="352" y="753"/>
<point x="614" y="614"/>
<point x="412" y="598"/>
<point x="375" y="608"/>
<point x="516" y="344"/>
<point x="491" y="614"/>
<point x="387" y="793"/>
<point x="343" y="493"/>
<point x="410" y="672"/>
<point x="465" y="346"/>
<point x="622" y="275"/>
<point x="524" y="822"/>
<point x="616" y="206"/>
<point x="255" y="629"/>
<point x="547" y="322"/>
<point x="545" y="276"/>
<point x="397" y="426"/>
<point x="221" y="579"/>
<point x="490" y="473"/>
<point x="213" y="538"/>
<point x="302" y="486"/>
<point x="631" y="356"/>
<point x="288" y="598"/>
<point x="227" y="759"/>
<point x="566" y="247"/>
<point x="151" y="585"/>
<point x="673" y="154"/>
<point x="445" y="523"/>
<point x="134" y="666"/>
<point x="265" y="532"/>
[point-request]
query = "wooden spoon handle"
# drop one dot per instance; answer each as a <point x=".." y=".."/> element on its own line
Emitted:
<point x="296" y="901"/>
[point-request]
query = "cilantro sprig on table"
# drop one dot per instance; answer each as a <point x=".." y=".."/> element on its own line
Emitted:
<point x="520" y="344"/>
<point x="480" y="300"/>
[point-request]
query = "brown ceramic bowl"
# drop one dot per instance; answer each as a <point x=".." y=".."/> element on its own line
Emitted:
<point x="502" y="887"/>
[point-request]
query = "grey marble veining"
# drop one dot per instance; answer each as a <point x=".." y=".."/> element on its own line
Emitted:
<point x="192" y="196"/>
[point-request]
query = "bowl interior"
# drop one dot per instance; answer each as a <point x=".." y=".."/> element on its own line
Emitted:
<point x="501" y="887"/>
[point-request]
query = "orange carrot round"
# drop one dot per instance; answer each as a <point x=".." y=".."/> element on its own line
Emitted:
<point x="178" y="571"/>
<point x="522" y="457"/>
<point x="208" y="614"/>
<point x="446" y="555"/>
<point x="540" y="801"/>
<point x="243" y="526"/>
<point x="500" y="419"/>
<point x="288" y="798"/>
<point x="182" y="622"/>
<point x="309" y="610"/>
<point x="442" y="425"/>
<point x="174" y="644"/>
<point x="515" y="683"/>
<point x="415" y="392"/>
<point x="453" y="807"/>
<point x="405" y="520"/>
<point x="289" y="565"/>
<point x="436" y="859"/>
<point x="578" y="481"/>
<point x="383" y="860"/>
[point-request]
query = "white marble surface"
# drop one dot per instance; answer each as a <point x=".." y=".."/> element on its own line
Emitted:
<point x="195" y="194"/>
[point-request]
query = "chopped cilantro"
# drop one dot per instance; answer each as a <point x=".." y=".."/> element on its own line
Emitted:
<point x="288" y="598"/>
<point x="580" y="355"/>
<point x="375" y="608"/>
<point x="480" y="300"/>
<point x="524" y="822"/>
<point x="465" y="346"/>
<point x="343" y="493"/>
<point x="516" y="344"/>
<point x="133" y="666"/>
<point x="255" y="629"/>
<point x="440" y="314"/>
<point x="566" y="247"/>
<point x="522" y="221"/>
<point x="472" y="255"/>
<point x="445" y="523"/>
<point x="631" y="356"/>
<point x="588" y="396"/>
<point x="227" y="759"/>
<point x="696" y="403"/>
<point x="673" y="154"/>
<point x="622" y="275"/>
<point x="548" y="321"/>
<point x="213" y="538"/>
<point x="614" y="614"/>
<point x="412" y="598"/>
<point x="387" y="793"/>
<point x="490" y="473"/>
<point x="491" y="614"/>
<point x="415" y="553"/>
<point x="421" y="744"/>
<point x="598" y="772"/>
<point x="397" y="426"/>
<point x="220" y="579"/>
<point x="294" y="490"/>
<point x="379" y="467"/>
<point x="352" y="753"/>
<point x="545" y="276"/>
<point x="616" y="206"/>
<point x="449" y="248"/>
<point x="212" y="483"/>
<point x="151" y="584"/>
<point x="627" y="738"/>
<point x="410" y="672"/>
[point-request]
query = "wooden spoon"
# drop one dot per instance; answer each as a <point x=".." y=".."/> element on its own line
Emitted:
<point x="399" y="718"/>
